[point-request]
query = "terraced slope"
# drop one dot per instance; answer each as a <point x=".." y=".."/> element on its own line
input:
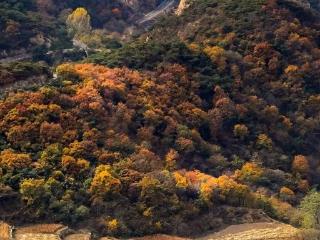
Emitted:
<point x="252" y="231"/>
<point x="258" y="231"/>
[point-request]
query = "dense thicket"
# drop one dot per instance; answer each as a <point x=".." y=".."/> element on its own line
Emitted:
<point x="21" y="71"/>
<point x="261" y="50"/>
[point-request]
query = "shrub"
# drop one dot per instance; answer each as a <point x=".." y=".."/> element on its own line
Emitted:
<point x="300" y="165"/>
<point x="11" y="160"/>
<point x="263" y="141"/>
<point x="240" y="130"/>
<point x="33" y="191"/>
<point x="104" y="182"/>
<point x="286" y="194"/>
<point x="310" y="209"/>
<point x="250" y="172"/>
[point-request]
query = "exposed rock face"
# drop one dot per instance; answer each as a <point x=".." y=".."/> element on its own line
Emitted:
<point x="182" y="6"/>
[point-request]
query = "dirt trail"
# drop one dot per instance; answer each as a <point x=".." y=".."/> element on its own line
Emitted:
<point x="16" y="58"/>
<point x="160" y="10"/>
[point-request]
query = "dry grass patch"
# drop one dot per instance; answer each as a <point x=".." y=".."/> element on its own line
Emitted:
<point x="310" y="234"/>
<point x="160" y="237"/>
<point x="78" y="236"/>
<point x="36" y="236"/>
<point x="40" y="228"/>
<point x="257" y="231"/>
<point x="4" y="231"/>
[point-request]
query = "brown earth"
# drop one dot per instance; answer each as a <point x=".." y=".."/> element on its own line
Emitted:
<point x="159" y="237"/>
<point x="78" y="236"/>
<point x="250" y="231"/>
<point x="36" y="236"/>
<point x="5" y="230"/>
<point x="260" y="231"/>
<point x="40" y="228"/>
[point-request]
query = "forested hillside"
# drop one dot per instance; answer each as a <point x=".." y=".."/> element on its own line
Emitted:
<point x="24" y="29"/>
<point x="210" y="118"/>
<point x="38" y="26"/>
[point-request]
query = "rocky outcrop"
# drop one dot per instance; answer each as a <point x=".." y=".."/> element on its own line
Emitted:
<point x="184" y="4"/>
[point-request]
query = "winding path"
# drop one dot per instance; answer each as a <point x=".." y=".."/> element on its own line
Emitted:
<point x="16" y="58"/>
<point x="163" y="8"/>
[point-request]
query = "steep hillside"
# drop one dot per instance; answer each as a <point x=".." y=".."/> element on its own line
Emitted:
<point x="38" y="26"/>
<point x="23" y="29"/>
<point x="261" y="50"/>
<point x="211" y="118"/>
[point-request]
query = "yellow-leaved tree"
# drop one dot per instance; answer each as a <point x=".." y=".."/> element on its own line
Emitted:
<point x="104" y="182"/>
<point x="79" y="22"/>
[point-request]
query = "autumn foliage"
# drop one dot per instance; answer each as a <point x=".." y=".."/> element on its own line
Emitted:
<point x="160" y="134"/>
